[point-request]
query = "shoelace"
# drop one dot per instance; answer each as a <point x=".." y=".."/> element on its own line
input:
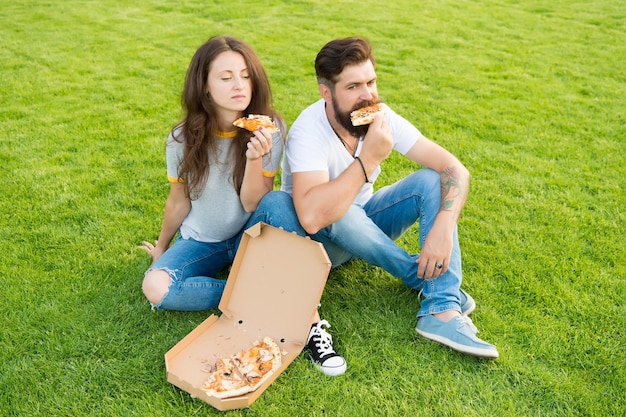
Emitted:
<point x="323" y="340"/>
<point x="470" y="323"/>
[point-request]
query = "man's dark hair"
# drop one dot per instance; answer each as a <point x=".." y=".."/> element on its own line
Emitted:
<point x="339" y="53"/>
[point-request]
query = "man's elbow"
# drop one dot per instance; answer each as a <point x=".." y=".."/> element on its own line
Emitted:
<point x="309" y="222"/>
<point x="311" y="230"/>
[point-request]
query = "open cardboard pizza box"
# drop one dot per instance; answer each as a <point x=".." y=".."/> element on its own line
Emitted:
<point x="273" y="289"/>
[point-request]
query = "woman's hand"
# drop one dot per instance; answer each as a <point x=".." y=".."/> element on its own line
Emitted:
<point x="155" y="251"/>
<point x="260" y="144"/>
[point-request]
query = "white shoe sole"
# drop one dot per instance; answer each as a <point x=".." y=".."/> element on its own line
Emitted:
<point x="482" y="353"/>
<point x="336" y="371"/>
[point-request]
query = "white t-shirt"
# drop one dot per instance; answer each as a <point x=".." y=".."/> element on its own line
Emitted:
<point x="312" y="145"/>
<point x="217" y="214"/>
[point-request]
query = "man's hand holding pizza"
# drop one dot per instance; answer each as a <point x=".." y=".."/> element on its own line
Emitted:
<point x="377" y="144"/>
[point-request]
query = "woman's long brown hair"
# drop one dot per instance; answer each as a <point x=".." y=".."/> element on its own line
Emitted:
<point x="199" y="125"/>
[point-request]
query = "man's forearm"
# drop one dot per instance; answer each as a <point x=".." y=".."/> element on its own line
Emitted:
<point x="454" y="190"/>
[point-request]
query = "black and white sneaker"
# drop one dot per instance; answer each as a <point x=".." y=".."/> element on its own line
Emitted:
<point x="320" y="347"/>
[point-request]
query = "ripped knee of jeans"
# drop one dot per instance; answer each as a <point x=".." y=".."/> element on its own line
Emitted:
<point x="156" y="285"/>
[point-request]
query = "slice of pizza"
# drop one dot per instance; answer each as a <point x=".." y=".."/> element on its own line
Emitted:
<point x="256" y="121"/>
<point x="365" y="115"/>
<point x="245" y="371"/>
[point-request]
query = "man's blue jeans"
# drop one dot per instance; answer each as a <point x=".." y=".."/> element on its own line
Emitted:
<point x="193" y="265"/>
<point x="369" y="233"/>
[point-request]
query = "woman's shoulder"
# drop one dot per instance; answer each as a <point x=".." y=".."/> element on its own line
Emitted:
<point x="177" y="132"/>
<point x="176" y="136"/>
<point x="280" y="123"/>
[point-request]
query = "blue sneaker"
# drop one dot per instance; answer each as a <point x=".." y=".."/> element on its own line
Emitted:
<point x="468" y="305"/>
<point x="457" y="334"/>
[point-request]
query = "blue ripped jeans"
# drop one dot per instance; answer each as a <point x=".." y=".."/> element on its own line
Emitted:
<point x="369" y="233"/>
<point x="193" y="265"/>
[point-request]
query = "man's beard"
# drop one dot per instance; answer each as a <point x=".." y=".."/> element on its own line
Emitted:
<point x="343" y="118"/>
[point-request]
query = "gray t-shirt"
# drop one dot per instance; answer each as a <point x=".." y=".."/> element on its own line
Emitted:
<point x="217" y="214"/>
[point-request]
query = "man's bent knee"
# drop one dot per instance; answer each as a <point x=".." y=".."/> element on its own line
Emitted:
<point x="155" y="285"/>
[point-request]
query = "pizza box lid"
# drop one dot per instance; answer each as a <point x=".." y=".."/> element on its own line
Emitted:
<point x="273" y="289"/>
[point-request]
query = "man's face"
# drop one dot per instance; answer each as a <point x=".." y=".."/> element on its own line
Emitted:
<point x="355" y="88"/>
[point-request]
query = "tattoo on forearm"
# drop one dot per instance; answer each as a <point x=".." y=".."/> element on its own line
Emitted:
<point x="451" y="189"/>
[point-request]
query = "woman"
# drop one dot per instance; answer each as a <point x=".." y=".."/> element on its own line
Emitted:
<point x="221" y="177"/>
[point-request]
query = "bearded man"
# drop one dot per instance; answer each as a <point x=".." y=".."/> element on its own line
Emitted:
<point x="330" y="168"/>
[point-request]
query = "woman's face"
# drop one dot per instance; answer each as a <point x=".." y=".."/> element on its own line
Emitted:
<point x="229" y="84"/>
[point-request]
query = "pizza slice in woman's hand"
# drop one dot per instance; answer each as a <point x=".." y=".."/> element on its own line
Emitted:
<point x="255" y="122"/>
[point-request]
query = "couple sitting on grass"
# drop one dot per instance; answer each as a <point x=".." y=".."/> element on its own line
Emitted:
<point x="222" y="181"/>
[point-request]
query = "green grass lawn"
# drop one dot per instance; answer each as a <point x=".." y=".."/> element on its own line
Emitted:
<point x="528" y="94"/>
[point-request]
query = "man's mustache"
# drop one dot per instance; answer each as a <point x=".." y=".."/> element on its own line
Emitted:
<point x="364" y="103"/>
